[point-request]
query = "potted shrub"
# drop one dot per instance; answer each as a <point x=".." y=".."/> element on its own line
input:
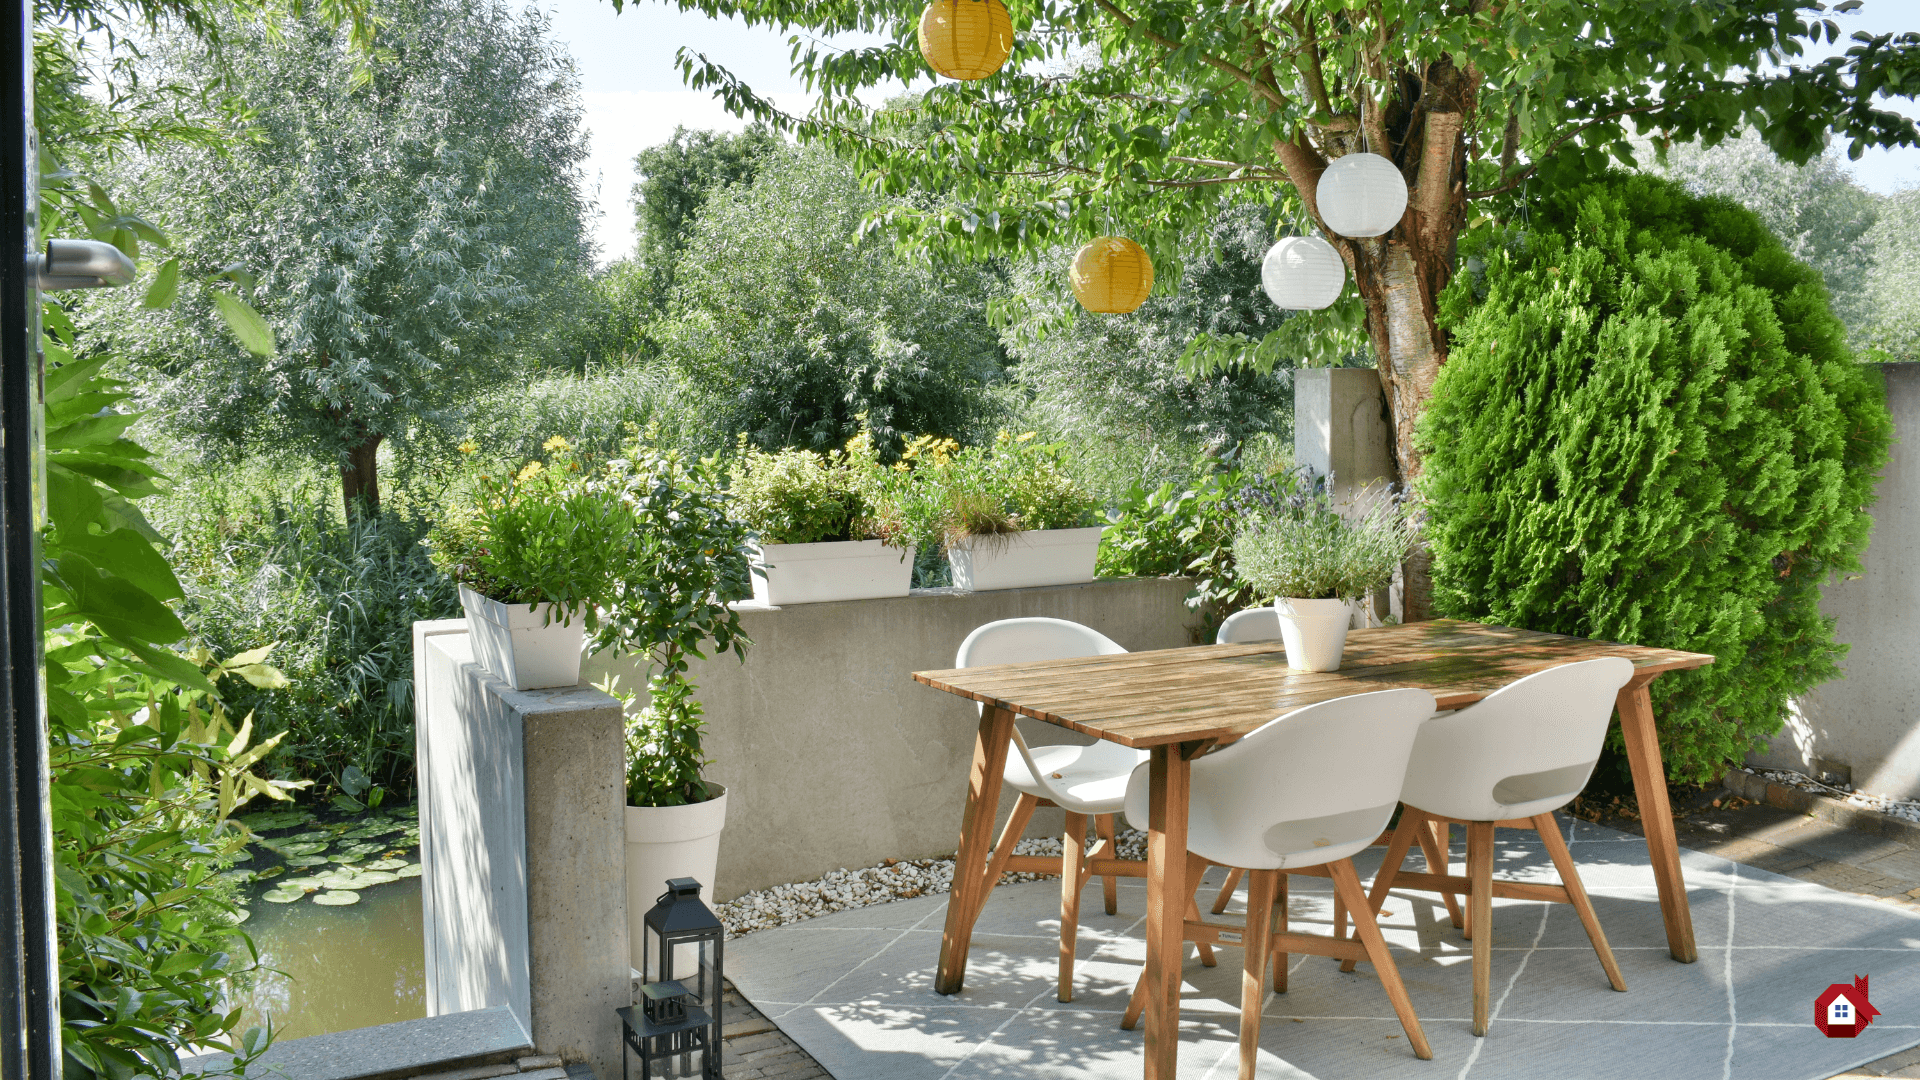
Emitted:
<point x="533" y="551"/>
<point x="1014" y="518"/>
<point x="1314" y="563"/>
<point x="819" y="534"/>
<point x="686" y="566"/>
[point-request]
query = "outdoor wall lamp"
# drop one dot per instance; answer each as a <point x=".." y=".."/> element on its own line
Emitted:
<point x="79" y="264"/>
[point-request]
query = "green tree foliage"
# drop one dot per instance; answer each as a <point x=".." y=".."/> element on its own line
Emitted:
<point x="1817" y="210"/>
<point x="406" y="219"/>
<point x="1651" y="430"/>
<point x="1894" y="292"/>
<point x="1114" y="388"/>
<point x="1136" y="117"/>
<point x="794" y="329"/>
<point x="676" y="179"/>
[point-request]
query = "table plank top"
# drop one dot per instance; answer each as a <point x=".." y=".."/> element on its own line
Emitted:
<point x="1224" y="691"/>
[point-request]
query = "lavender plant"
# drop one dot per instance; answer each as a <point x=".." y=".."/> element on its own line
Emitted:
<point x="1299" y="545"/>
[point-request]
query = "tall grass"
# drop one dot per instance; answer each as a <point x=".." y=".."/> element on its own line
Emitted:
<point x="592" y="411"/>
<point x="265" y="558"/>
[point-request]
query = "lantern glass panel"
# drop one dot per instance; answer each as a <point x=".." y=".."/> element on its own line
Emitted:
<point x="682" y="944"/>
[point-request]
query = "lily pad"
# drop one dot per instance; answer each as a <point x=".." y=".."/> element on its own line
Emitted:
<point x="302" y="883"/>
<point x="336" y="899"/>
<point x="292" y="850"/>
<point x="283" y="895"/>
<point x="308" y="860"/>
<point x="312" y="836"/>
<point x="347" y="882"/>
<point x="409" y="870"/>
<point x="269" y="872"/>
<point x="240" y="915"/>
<point x="378" y="828"/>
<point x="374" y="877"/>
<point x="276" y="819"/>
<point x="386" y="864"/>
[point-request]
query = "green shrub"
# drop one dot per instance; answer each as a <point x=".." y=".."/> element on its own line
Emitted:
<point x="594" y="412"/>
<point x="1649" y="429"/>
<point x="799" y="496"/>
<point x="265" y="558"/>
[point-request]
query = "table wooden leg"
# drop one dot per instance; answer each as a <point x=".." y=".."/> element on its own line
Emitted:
<point x="1073" y="852"/>
<point x="1168" y="892"/>
<point x="976" y="835"/>
<point x="1650" y="790"/>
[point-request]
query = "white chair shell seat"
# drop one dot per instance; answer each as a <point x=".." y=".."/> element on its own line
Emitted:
<point x="1080" y="779"/>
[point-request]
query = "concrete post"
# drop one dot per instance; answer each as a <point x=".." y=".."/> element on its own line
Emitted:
<point x="1341" y="426"/>
<point x="522" y="850"/>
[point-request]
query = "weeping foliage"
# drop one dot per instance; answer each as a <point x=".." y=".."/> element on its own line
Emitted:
<point x="1649" y="429"/>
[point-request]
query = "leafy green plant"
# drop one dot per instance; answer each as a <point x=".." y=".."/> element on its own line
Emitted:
<point x="1010" y="486"/>
<point x="546" y="534"/>
<point x="685" y="566"/>
<point x="1651" y="430"/>
<point x="145" y="768"/>
<point x="1309" y="550"/>
<point x="801" y="496"/>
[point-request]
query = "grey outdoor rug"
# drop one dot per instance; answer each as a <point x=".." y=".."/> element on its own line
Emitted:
<point x="856" y="988"/>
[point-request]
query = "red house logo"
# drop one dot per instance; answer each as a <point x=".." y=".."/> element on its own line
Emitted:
<point x="1842" y="1011"/>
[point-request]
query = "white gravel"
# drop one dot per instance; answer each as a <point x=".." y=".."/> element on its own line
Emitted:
<point x="1904" y="809"/>
<point x="892" y="880"/>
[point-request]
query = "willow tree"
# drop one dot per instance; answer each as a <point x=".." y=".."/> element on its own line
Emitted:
<point x="1141" y="116"/>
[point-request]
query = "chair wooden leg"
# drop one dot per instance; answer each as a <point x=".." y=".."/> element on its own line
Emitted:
<point x="1073" y="854"/>
<point x="1003" y="849"/>
<point x="1258" y="939"/>
<point x="1347" y="883"/>
<point x="1577" y="891"/>
<point x="1433" y="842"/>
<point x="1280" y="926"/>
<point x="1411" y="825"/>
<point x="1340" y="923"/>
<point x="1480" y="873"/>
<point x="1197" y="866"/>
<point x="1226" y="890"/>
<point x="1103" y="825"/>
<point x="1136" y="1004"/>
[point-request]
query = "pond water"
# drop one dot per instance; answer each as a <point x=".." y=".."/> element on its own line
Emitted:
<point x="338" y="967"/>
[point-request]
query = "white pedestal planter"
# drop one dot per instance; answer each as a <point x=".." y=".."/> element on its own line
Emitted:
<point x="836" y="570"/>
<point x="510" y="641"/>
<point x="665" y="842"/>
<point x="1023" y="560"/>
<point x="1314" y="632"/>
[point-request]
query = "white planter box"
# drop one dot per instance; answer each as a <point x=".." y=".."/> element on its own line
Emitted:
<point x="836" y="570"/>
<point x="1023" y="560"/>
<point x="510" y="642"/>
<point x="666" y="842"/>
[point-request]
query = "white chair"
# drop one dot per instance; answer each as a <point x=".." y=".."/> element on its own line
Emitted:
<point x="1509" y="760"/>
<point x="1298" y="795"/>
<point x="1084" y="781"/>
<point x="1263" y="624"/>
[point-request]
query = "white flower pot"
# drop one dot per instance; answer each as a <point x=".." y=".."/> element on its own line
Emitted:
<point x="665" y="842"/>
<point x="836" y="570"/>
<point x="1314" y="632"/>
<point x="1023" y="560"/>
<point x="519" y="646"/>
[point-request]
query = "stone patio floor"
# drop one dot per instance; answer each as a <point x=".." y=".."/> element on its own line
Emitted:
<point x="1755" y="835"/>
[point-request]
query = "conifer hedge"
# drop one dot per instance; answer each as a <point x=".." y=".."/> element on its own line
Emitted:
<point x="1650" y="429"/>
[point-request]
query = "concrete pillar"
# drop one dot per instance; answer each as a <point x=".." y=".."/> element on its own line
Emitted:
<point x="1341" y="426"/>
<point x="522" y="850"/>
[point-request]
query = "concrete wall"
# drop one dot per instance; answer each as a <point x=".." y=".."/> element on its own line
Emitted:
<point x="522" y="850"/>
<point x="1341" y="426"/>
<point x="833" y="757"/>
<point x="1866" y="726"/>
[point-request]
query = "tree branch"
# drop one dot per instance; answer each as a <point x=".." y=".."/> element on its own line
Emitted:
<point x="1520" y="177"/>
<point x="1270" y="93"/>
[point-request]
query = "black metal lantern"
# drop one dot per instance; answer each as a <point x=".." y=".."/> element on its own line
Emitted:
<point x="679" y="1015"/>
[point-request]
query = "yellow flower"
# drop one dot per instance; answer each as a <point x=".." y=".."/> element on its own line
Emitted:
<point x="555" y="444"/>
<point x="469" y="447"/>
<point x="1025" y="438"/>
<point x="532" y="470"/>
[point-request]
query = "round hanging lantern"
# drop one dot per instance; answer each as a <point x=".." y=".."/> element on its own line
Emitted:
<point x="1361" y="195"/>
<point x="1111" y="275"/>
<point x="1303" y="273"/>
<point x="966" y="39"/>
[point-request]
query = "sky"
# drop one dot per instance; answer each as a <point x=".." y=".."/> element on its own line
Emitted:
<point x="634" y="97"/>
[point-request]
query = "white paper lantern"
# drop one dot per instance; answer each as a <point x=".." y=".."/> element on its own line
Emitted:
<point x="1303" y="273"/>
<point x="1361" y="195"/>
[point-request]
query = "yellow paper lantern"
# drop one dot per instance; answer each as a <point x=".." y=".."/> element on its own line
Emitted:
<point x="1111" y="275"/>
<point x="966" y="39"/>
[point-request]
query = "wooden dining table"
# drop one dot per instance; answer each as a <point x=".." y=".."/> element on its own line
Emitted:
<point x="1179" y="703"/>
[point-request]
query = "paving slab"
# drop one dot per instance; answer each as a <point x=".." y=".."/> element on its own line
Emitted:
<point x="389" y="1051"/>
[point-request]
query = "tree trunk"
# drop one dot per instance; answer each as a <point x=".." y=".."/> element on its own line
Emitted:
<point x="1400" y="275"/>
<point x="360" y="479"/>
